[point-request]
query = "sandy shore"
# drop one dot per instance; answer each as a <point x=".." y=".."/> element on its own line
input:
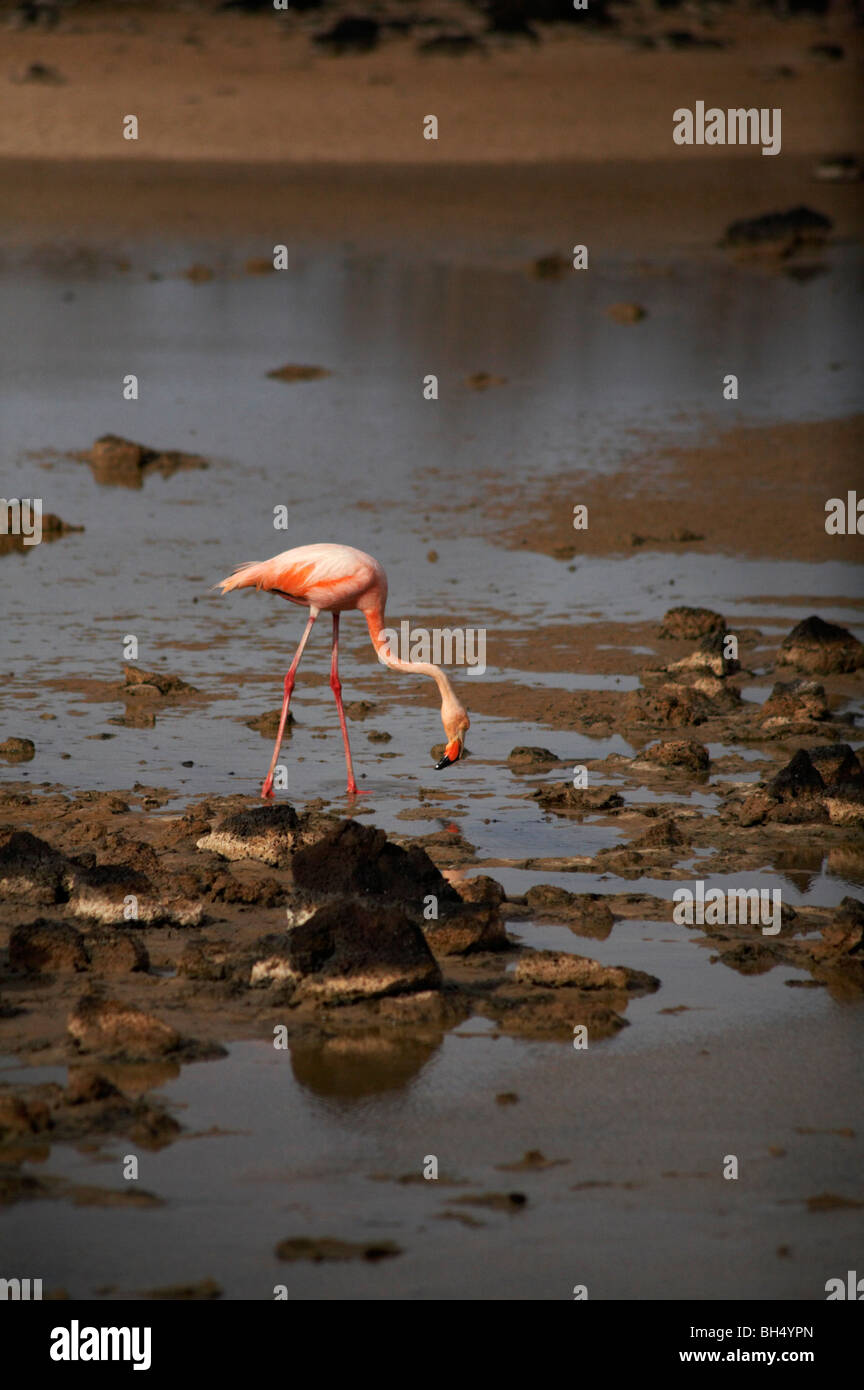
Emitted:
<point x="246" y="126"/>
<point x="214" y="85"/>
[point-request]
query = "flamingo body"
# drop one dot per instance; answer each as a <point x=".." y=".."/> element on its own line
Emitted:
<point x="332" y="578"/>
<point x="328" y="578"/>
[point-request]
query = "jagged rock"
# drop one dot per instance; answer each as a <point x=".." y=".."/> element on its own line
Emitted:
<point x="481" y="889"/>
<point x="844" y="803"/>
<point x="116" y="460"/>
<point x="794" y="796"/>
<point x="84" y="1086"/>
<point x="268" y="724"/>
<point x="663" y="834"/>
<point x="588" y="914"/>
<point x="468" y="927"/>
<point x="18" y="1118"/>
<point x="709" y="656"/>
<point x="626" y="312"/>
<point x="688" y="624"/>
<point x="525" y="756"/>
<point x="349" y="951"/>
<point x="757" y="808"/>
<point x="205" y="960"/>
<point x="844" y="936"/>
<point x="672" y="704"/>
<point x="31" y="870"/>
<point x="678" y="753"/>
<point x="137" y="680"/>
<point x="116" y="952"/>
<point x="798" y="780"/>
<point x="779" y="233"/>
<point x="47" y="947"/>
<point x="350" y="34"/>
<point x="359" y="859"/>
<point x="294" y="371"/>
<point x="546" y="896"/>
<point x="261" y="892"/>
<point x="793" y="702"/>
<point x="566" y="799"/>
<point x="18" y="750"/>
<point x="112" y="1028"/>
<point x="115" y="895"/>
<point x="836" y="762"/>
<point x="268" y="833"/>
<point x="326" y="1248"/>
<point x="822" y="648"/>
<point x="555" y="969"/>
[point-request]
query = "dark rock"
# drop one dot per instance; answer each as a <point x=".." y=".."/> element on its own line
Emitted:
<point x="626" y="312"/>
<point x="844" y="936"/>
<point x="689" y="623"/>
<point x="566" y="800"/>
<point x="47" y="947"/>
<point x="671" y="704"/>
<point x="844" y="802"/>
<point x="822" y="648"/>
<point x="350" y="34"/>
<point x="349" y="951"/>
<point x="268" y="833"/>
<point x="557" y="969"/>
<point x="114" y="460"/>
<point x="781" y="233"/>
<point x="794" y="702"/>
<point x="466" y="928"/>
<point x="326" y="1248"/>
<point x="587" y="914"/>
<point x="135" y="678"/>
<point x="663" y="834"/>
<point x="359" y="859"/>
<point x="18" y="750"/>
<point x="84" y="1086"/>
<point x="116" y="952"/>
<point x="113" y="1028"/>
<point x="205" y="960"/>
<point x="836" y="762"/>
<point x="678" y="39"/>
<point x="18" y="1118"/>
<point x="31" y="871"/>
<point x="553" y="266"/>
<point x="799" y="778"/>
<point x="482" y="889"/>
<point x="710" y="656"/>
<point x="258" y="892"/>
<point x="678" y="753"/>
<point x="293" y="371"/>
<point x="525" y="757"/>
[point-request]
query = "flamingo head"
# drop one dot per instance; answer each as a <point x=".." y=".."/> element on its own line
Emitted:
<point x="456" y="724"/>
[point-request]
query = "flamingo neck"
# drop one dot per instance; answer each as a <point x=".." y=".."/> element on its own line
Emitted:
<point x="375" y="623"/>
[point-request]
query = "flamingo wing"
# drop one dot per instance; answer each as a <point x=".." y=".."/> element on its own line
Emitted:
<point x="318" y="576"/>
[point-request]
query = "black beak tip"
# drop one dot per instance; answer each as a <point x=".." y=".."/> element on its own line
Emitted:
<point x="445" y="762"/>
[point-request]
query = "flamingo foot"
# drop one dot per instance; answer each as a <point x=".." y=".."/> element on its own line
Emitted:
<point x="267" y="789"/>
<point x="354" y="790"/>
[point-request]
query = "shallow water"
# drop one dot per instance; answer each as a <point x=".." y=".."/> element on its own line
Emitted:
<point x="360" y="457"/>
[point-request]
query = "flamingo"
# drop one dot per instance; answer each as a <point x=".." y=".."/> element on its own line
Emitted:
<point x="332" y="578"/>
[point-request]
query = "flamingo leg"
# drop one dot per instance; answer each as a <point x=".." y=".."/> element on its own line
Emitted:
<point x="267" y="789"/>
<point x="336" y="687"/>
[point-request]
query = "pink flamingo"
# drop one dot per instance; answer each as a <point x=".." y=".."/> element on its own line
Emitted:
<point x="333" y="578"/>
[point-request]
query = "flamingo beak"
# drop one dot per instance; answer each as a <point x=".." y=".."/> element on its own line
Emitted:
<point x="452" y="754"/>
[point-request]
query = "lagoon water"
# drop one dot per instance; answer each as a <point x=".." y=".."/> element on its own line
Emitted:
<point x="314" y="1142"/>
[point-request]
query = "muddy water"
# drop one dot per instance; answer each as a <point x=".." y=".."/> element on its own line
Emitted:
<point x="314" y="1144"/>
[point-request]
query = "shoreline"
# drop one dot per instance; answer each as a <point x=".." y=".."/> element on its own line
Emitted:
<point x="621" y="207"/>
